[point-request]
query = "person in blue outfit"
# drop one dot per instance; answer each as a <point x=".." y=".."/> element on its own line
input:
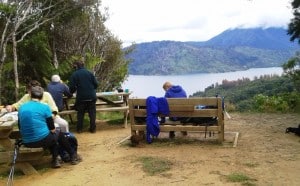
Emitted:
<point x="174" y="91"/>
<point x="37" y="127"/>
<point x="84" y="83"/>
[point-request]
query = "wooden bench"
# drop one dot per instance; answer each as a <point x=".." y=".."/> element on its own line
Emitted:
<point x="183" y="108"/>
<point x="27" y="155"/>
<point x="124" y="109"/>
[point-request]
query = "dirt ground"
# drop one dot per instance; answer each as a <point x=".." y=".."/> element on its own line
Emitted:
<point x="264" y="153"/>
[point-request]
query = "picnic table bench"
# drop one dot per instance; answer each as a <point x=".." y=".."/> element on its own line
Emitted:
<point x="105" y="103"/>
<point x="8" y="135"/>
<point x="181" y="108"/>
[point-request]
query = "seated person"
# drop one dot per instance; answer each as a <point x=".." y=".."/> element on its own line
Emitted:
<point x="37" y="127"/>
<point x="57" y="89"/>
<point x="174" y="91"/>
<point x="47" y="98"/>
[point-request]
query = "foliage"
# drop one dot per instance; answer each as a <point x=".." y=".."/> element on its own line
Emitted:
<point x="264" y="94"/>
<point x="294" y="25"/>
<point x="76" y="31"/>
<point x="238" y="177"/>
<point x="264" y="103"/>
<point x="292" y="69"/>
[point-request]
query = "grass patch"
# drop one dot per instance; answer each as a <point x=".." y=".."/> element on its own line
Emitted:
<point x="251" y="164"/>
<point x="154" y="165"/>
<point x="113" y="118"/>
<point x="240" y="177"/>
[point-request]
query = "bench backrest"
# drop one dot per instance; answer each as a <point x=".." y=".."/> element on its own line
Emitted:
<point x="181" y="107"/>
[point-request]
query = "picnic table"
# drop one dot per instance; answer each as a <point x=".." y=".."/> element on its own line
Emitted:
<point x="8" y="135"/>
<point x="106" y="102"/>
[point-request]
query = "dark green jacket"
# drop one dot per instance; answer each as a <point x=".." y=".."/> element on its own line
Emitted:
<point x="84" y="83"/>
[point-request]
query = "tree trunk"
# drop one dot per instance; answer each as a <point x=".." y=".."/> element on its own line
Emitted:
<point x="15" y="66"/>
<point x="3" y="57"/>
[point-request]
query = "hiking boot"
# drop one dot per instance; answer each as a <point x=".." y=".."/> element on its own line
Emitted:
<point x="75" y="159"/>
<point x="79" y="158"/>
<point x="92" y="130"/>
<point x="55" y="163"/>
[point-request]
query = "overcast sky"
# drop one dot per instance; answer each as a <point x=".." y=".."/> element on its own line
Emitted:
<point x="190" y="20"/>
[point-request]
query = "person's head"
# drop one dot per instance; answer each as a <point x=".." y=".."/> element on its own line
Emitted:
<point x="78" y="64"/>
<point x="36" y="92"/>
<point x="31" y="84"/>
<point x="167" y="85"/>
<point x="55" y="78"/>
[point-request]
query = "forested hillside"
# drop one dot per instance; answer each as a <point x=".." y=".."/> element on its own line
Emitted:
<point x="232" y="50"/>
<point x="266" y="93"/>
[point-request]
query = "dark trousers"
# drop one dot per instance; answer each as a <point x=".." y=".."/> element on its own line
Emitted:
<point x="82" y="107"/>
<point x="50" y="142"/>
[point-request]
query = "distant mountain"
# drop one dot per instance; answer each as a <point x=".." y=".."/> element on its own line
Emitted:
<point x="232" y="50"/>
<point x="270" y="38"/>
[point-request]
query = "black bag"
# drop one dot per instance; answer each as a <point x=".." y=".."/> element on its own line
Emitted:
<point x="65" y="156"/>
<point x="205" y="121"/>
<point x="293" y="130"/>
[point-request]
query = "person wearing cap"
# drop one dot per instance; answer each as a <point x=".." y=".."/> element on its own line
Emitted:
<point x="84" y="83"/>
<point x="37" y="127"/>
<point x="47" y="98"/>
<point x="174" y="91"/>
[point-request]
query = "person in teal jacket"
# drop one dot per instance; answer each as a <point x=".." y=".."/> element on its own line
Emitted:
<point x="37" y="127"/>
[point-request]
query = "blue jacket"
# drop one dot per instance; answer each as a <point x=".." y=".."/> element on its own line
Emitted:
<point x="57" y="91"/>
<point x="175" y="91"/>
<point x="155" y="106"/>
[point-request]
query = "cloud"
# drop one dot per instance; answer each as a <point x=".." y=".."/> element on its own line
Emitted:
<point x="191" y="20"/>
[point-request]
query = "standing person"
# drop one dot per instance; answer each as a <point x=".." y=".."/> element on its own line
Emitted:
<point x="57" y="89"/>
<point x="47" y="98"/>
<point x="84" y="83"/>
<point x="37" y="127"/>
<point x="174" y="91"/>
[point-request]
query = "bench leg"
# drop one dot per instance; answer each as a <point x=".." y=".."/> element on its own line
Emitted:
<point x="26" y="168"/>
<point x="126" y="113"/>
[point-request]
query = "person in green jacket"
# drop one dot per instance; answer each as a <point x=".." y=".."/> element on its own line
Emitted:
<point x="84" y="83"/>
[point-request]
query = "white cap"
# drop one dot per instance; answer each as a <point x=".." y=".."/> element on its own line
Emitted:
<point x="55" y="78"/>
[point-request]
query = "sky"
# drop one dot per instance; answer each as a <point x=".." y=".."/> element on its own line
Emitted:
<point x="137" y="21"/>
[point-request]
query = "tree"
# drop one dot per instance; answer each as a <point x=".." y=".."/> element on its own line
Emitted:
<point x="73" y="30"/>
<point x="23" y="18"/>
<point x="294" y="25"/>
<point x="292" y="66"/>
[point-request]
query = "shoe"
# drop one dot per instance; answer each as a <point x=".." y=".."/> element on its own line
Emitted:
<point x="92" y="130"/>
<point x="172" y="134"/>
<point x="79" y="158"/>
<point x="55" y="163"/>
<point x="74" y="160"/>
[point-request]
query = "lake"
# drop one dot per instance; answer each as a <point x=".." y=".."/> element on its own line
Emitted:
<point x="144" y="86"/>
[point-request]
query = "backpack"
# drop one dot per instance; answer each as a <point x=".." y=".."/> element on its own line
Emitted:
<point x="70" y="137"/>
<point x="293" y="130"/>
